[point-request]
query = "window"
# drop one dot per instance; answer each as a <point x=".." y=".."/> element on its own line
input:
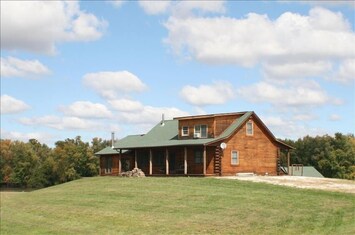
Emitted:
<point x="235" y="158"/>
<point x="200" y="131"/>
<point x="185" y="131"/>
<point x="198" y="157"/>
<point x="250" y="130"/>
<point x="108" y="165"/>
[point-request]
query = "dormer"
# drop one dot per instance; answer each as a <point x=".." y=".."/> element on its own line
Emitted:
<point x="205" y="126"/>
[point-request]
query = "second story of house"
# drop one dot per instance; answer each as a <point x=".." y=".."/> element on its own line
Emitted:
<point x="206" y="126"/>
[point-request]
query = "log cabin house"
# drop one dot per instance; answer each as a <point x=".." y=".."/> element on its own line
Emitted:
<point x="203" y="145"/>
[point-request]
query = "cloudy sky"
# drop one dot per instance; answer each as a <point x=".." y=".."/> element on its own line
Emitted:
<point x="89" y="68"/>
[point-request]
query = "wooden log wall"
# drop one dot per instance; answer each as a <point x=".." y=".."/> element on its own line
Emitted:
<point x="257" y="153"/>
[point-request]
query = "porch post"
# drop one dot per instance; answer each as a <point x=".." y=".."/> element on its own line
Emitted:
<point x="119" y="162"/>
<point x="167" y="161"/>
<point x="100" y="167"/>
<point x="288" y="162"/>
<point x="204" y="160"/>
<point x="185" y="161"/>
<point x="150" y="162"/>
<point x="135" y="159"/>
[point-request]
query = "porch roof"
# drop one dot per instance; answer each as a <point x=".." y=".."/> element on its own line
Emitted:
<point x="165" y="135"/>
<point x="109" y="151"/>
<point x="160" y="136"/>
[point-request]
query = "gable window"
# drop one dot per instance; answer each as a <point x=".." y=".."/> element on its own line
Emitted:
<point x="185" y="131"/>
<point x="250" y="129"/>
<point x="235" y="158"/>
<point x="200" y="131"/>
<point x="198" y="157"/>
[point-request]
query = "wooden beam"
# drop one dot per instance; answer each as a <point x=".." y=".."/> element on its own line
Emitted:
<point x="288" y="162"/>
<point x="204" y="160"/>
<point x="150" y="162"/>
<point x="167" y="161"/>
<point x="135" y="159"/>
<point x="185" y="161"/>
<point x="119" y="162"/>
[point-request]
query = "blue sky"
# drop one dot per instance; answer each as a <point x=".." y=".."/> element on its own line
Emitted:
<point x="91" y="67"/>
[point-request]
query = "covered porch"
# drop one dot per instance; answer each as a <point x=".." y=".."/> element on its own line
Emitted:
<point x="170" y="161"/>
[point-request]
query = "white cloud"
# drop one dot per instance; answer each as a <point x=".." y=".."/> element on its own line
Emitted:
<point x="14" y="67"/>
<point x="14" y="135"/>
<point x="10" y="105"/>
<point x="182" y="8"/>
<point x="62" y="123"/>
<point x="327" y="3"/>
<point x="256" y="38"/>
<point x="306" y="94"/>
<point x="112" y="84"/>
<point x="304" y="117"/>
<point x="217" y="93"/>
<point x="186" y="8"/>
<point x="296" y="69"/>
<point x="38" y="26"/>
<point x="334" y="117"/>
<point x="86" y="109"/>
<point x="155" y="7"/>
<point x="126" y="105"/>
<point x="151" y="115"/>
<point x="346" y="72"/>
<point x="117" y="3"/>
<point x="290" y="129"/>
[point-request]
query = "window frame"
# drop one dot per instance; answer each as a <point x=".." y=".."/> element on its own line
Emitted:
<point x="251" y="129"/>
<point x="206" y="131"/>
<point x="199" y="131"/>
<point x="237" y="158"/>
<point x="182" y="131"/>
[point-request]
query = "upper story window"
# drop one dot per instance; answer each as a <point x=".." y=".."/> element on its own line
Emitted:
<point x="200" y="131"/>
<point x="185" y="131"/>
<point x="250" y="129"/>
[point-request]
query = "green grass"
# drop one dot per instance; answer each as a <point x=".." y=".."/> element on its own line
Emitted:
<point x="112" y="205"/>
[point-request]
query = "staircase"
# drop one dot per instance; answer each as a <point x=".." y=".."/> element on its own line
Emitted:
<point x="217" y="161"/>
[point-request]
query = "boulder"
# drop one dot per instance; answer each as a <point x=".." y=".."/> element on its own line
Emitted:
<point x="136" y="172"/>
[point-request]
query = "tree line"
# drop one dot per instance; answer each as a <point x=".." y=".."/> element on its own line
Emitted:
<point x="333" y="157"/>
<point x="36" y="165"/>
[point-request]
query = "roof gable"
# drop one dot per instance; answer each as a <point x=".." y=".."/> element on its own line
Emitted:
<point x="166" y="134"/>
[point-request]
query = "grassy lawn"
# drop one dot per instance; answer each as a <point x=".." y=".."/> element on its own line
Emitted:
<point x="112" y="205"/>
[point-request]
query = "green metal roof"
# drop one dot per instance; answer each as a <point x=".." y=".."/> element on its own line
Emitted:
<point x="308" y="171"/>
<point x="109" y="151"/>
<point x="167" y="135"/>
<point x="159" y="136"/>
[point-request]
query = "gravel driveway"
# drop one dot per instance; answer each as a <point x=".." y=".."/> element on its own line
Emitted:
<point x="337" y="185"/>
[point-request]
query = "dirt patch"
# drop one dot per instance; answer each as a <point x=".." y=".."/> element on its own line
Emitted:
<point x="337" y="185"/>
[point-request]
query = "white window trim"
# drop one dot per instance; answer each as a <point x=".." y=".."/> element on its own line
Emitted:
<point x="182" y="131"/>
<point x="234" y="151"/>
<point x="206" y="131"/>
<point x="252" y="128"/>
<point x="200" y="132"/>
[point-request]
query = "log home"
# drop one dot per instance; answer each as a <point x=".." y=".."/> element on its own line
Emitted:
<point x="204" y="145"/>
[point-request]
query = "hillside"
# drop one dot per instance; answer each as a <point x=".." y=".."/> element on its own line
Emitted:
<point x="103" y="205"/>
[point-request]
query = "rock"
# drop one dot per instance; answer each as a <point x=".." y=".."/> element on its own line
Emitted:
<point x="136" y="172"/>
